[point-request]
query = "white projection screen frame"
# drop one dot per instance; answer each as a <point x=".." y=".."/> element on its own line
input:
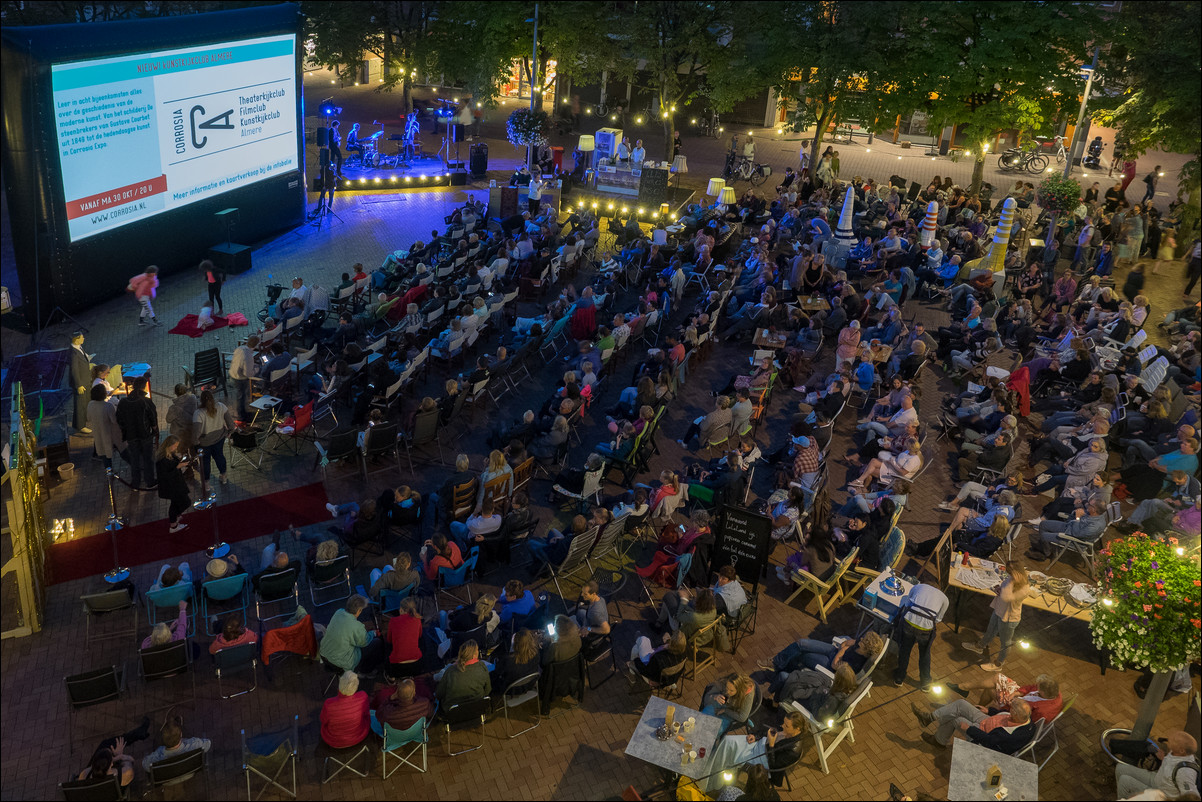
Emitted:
<point x="147" y="133"/>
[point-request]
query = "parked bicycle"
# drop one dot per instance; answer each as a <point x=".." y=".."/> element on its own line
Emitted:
<point x="1018" y="159"/>
<point x="708" y="126"/>
<point x="1054" y="147"/>
<point x="747" y="170"/>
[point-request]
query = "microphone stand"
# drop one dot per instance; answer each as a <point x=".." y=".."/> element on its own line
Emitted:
<point x="114" y="525"/>
<point x="208" y="501"/>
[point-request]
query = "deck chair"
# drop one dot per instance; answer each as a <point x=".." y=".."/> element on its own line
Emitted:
<point x="425" y="431"/>
<point x="607" y="543"/>
<point x="381" y="440"/>
<point x="591" y="489"/>
<point x="574" y="561"/>
<point x="99" y="606"/>
<point x="826" y="592"/>
<point x="861" y="576"/>
<point x="934" y="562"/>
<point x="1048" y="728"/>
<point x="829" y="734"/>
<point x="698" y="658"/>
<point x="393" y="741"/>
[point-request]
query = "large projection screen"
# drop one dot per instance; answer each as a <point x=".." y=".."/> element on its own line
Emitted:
<point x="126" y="144"/>
<point x="150" y="132"/>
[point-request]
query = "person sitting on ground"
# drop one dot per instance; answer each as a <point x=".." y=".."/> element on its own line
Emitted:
<point x="401" y="705"/>
<point x="344" y="718"/>
<point x="1003" y="732"/>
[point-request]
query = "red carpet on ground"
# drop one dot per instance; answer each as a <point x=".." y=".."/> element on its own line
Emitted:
<point x="188" y="327"/>
<point x="151" y="543"/>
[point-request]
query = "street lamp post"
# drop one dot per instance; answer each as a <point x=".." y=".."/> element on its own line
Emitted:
<point x="1078" y="139"/>
<point x="531" y="151"/>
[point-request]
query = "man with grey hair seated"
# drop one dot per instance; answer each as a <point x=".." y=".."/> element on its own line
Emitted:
<point x="1087" y="524"/>
<point x="1005" y="732"/>
<point x="347" y="643"/>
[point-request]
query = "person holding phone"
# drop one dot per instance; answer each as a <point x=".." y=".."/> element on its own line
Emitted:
<point x="171" y="466"/>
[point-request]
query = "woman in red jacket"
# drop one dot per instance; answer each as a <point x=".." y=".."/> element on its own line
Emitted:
<point x="344" y="718"/>
<point x="404" y="634"/>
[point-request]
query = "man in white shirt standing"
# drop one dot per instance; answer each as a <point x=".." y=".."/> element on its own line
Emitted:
<point x="922" y="609"/>
<point x="638" y="155"/>
<point x="242" y="370"/>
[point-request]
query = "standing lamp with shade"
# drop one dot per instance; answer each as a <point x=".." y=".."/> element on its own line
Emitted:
<point x="715" y="187"/>
<point x="728" y="198"/>
<point x="586" y="147"/>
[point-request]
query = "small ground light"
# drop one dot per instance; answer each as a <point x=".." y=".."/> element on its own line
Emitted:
<point x="868" y="150"/>
<point x="1108" y="602"/>
<point x="780" y="130"/>
<point x="1025" y="644"/>
<point x="588" y="112"/>
<point x="936" y="689"/>
<point x="693" y="121"/>
<point x="638" y="120"/>
<point x="899" y="158"/>
<point x="727" y="777"/>
<point x="721" y="129"/>
<point x="1160" y="174"/>
<point x="1181" y="551"/>
<point x="830" y="722"/>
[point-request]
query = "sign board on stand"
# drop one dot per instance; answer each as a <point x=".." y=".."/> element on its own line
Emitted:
<point x="743" y="540"/>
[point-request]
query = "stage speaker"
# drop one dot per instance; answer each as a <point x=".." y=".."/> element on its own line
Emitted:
<point x="321" y="136"/>
<point x="459" y="178"/>
<point x="455" y="132"/>
<point x="230" y="257"/>
<point x="478" y="160"/>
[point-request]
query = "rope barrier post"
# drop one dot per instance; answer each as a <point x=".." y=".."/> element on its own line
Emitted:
<point x="208" y="501"/>
<point x="114" y="525"/>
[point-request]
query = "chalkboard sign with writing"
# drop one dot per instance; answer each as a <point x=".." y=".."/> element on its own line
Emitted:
<point x="653" y="186"/>
<point x="743" y="540"/>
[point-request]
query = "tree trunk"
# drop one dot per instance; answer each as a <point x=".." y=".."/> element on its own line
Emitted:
<point x="978" y="173"/>
<point x="1150" y="706"/>
<point x="824" y="120"/>
<point x="669" y="126"/>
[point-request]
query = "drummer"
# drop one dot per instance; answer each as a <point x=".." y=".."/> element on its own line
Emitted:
<point x="353" y="143"/>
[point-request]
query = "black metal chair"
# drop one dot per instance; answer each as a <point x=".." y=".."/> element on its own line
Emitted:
<point x="100" y="606"/>
<point x="339" y="447"/>
<point x="331" y="576"/>
<point x="100" y="789"/>
<point x="465" y="715"/>
<point x="561" y="679"/>
<point x="276" y="589"/>
<point x="425" y="431"/>
<point x="595" y="649"/>
<point x="163" y="662"/>
<point x="89" y="689"/>
<point x="380" y="441"/>
<point x="177" y="770"/>
<point x="522" y="690"/>
<point x="237" y="658"/>
<point x="208" y="370"/>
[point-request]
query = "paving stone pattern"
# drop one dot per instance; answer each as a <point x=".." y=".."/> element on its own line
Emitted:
<point x="578" y="755"/>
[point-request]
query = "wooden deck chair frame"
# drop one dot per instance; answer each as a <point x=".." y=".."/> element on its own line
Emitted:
<point x="934" y="561"/>
<point x="697" y="663"/>
<point x="827" y="592"/>
<point x="838" y="728"/>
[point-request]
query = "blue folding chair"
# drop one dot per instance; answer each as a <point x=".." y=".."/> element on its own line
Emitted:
<point x="390" y="600"/>
<point x="461" y="577"/>
<point x="167" y="600"/>
<point x="394" y="740"/>
<point x="233" y="589"/>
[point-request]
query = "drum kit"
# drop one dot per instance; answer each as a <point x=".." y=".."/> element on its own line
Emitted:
<point x="408" y="147"/>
